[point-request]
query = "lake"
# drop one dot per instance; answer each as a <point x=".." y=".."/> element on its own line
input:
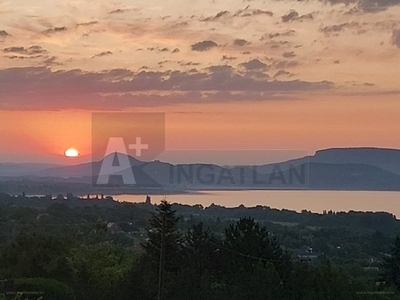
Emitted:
<point x="315" y="201"/>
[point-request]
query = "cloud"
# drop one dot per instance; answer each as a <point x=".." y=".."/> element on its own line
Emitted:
<point x="252" y="12"/>
<point x="254" y="64"/>
<point x="117" y="11"/>
<point x="240" y="42"/>
<point x="281" y="73"/>
<point x="396" y="38"/>
<point x="336" y="28"/>
<point x="204" y="46"/>
<point x="306" y="17"/>
<point x="164" y="49"/>
<point x="278" y="34"/>
<point x="51" y="61"/>
<point x="14" y="50"/>
<point x="257" y="12"/>
<point x="4" y="33"/>
<point x="283" y="64"/>
<point x="294" y="16"/>
<point x="377" y="5"/>
<point x="217" y="17"/>
<point x="188" y="63"/>
<point x="105" y="53"/>
<point x="277" y="44"/>
<point x="88" y="23"/>
<point x="367" y="6"/>
<point x="226" y="57"/>
<point x="289" y="54"/>
<point x="40" y="88"/>
<point x="22" y="52"/>
<point x="55" y="30"/>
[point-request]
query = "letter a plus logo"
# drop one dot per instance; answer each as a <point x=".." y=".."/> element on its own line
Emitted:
<point x="122" y="144"/>
<point x="116" y="163"/>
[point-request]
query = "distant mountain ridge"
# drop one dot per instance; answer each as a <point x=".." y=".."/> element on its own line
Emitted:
<point x="24" y="169"/>
<point x="386" y="159"/>
<point x="335" y="169"/>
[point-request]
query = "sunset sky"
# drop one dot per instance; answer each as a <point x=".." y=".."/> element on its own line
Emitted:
<point x="228" y="74"/>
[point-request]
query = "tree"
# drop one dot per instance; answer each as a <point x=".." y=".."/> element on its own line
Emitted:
<point x="255" y="265"/>
<point x="247" y="239"/>
<point x="164" y="234"/>
<point x="199" y="264"/>
<point x="391" y="265"/>
<point x="164" y="244"/>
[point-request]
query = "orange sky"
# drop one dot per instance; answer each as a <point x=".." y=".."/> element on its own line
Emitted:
<point x="268" y="74"/>
<point x="292" y="125"/>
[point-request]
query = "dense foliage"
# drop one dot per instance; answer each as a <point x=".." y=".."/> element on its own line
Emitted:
<point x="141" y="251"/>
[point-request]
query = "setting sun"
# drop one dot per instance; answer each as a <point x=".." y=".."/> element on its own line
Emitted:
<point x="71" y="152"/>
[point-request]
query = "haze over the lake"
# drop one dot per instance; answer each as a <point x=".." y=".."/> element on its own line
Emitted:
<point x="228" y="74"/>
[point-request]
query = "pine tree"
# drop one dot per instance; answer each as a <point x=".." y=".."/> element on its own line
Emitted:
<point x="163" y="247"/>
<point x="164" y="233"/>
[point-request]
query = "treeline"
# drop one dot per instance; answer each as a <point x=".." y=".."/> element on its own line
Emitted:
<point x="96" y="253"/>
<point x="248" y="263"/>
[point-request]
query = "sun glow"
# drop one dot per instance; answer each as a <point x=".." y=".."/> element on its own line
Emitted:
<point x="71" y="152"/>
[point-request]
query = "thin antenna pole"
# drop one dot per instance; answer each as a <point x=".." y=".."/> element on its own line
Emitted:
<point x="162" y="250"/>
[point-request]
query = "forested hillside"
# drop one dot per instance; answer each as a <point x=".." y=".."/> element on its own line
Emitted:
<point x="143" y="251"/>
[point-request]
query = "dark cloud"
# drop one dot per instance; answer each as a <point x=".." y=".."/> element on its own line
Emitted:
<point x="254" y="64"/>
<point x="281" y="73"/>
<point x="51" y="61"/>
<point x="32" y="51"/>
<point x="226" y="69"/>
<point x="217" y="17"/>
<point x="336" y="28"/>
<point x="88" y="23"/>
<point x="4" y="33"/>
<point x="289" y="54"/>
<point x="40" y="88"/>
<point x="377" y="5"/>
<point x="347" y="2"/>
<point x="283" y="64"/>
<point x="396" y="38"/>
<point x="226" y="57"/>
<point x="117" y="11"/>
<point x="14" y="49"/>
<point x="294" y="16"/>
<point x="278" y="34"/>
<point x="306" y="17"/>
<point x="35" y="50"/>
<point x="54" y="30"/>
<point x="204" y="46"/>
<point x="240" y="42"/>
<point x="188" y="63"/>
<point x="252" y="12"/>
<point x="277" y="44"/>
<point x="159" y="49"/>
<point x="367" y="6"/>
<point x="261" y="12"/>
<point x="105" y="53"/>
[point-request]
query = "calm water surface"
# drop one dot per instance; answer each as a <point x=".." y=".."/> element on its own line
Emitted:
<point x="315" y="201"/>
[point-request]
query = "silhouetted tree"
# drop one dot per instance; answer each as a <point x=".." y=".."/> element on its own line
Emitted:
<point x="391" y="265"/>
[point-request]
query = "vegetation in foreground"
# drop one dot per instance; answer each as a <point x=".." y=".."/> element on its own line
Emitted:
<point x="62" y="252"/>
